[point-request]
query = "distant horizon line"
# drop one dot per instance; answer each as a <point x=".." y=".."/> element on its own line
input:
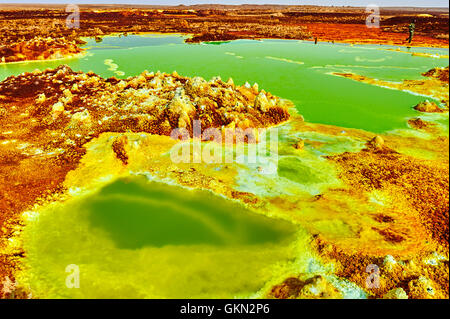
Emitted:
<point x="212" y="3"/>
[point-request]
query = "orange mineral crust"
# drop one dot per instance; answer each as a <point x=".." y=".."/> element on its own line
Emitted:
<point x="420" y="124"/>
<point x="39" y="49"/>
<point x="399" y="278"/>
<point x="405" y="238"/>
<point x="361" y="34"/>
<point x="422" y="185"/>
<point x="420" y="188"/>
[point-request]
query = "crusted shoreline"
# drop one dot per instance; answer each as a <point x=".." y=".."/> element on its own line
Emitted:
<point x="39" y="49"/>
<point x="435" y="84"/>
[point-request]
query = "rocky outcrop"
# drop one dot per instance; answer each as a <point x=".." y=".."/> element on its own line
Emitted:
<point x="119" y="148"/>
<point x="377" y="142"/>
<point x="442" y="74"/>
<point x="84" y="104"/>
<point x="38" y="49"/>
<point x="397" y="293"/>
<point x="299" y="145"/>
<point x="428" y="107"/>
<point x="311" y="288"/>
<point x="419" y="124"/>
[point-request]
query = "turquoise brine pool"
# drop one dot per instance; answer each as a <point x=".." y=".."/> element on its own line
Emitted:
<point x="295" y="70"/>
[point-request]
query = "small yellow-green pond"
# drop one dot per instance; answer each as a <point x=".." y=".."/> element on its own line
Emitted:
<point x="140" y="239"/>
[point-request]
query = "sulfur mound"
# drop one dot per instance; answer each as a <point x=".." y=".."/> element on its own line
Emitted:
<point x="420" y="124"/>
<point x="311" y="288"/>
<point x="38" y="48"/>
<point x="85" y="104"/>
<point x="428" y="107"/>
<point x="442" y="74"/>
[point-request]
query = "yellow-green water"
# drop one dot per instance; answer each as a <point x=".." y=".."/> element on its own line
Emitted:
<point x="140" y="239"/>
<point x="136" y="215"/>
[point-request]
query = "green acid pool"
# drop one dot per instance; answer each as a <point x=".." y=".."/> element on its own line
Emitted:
<point x="140" y="239"/>
<point x="295" y="70"/>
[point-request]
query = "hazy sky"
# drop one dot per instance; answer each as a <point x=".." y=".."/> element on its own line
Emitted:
<point x="416" y="3"/>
